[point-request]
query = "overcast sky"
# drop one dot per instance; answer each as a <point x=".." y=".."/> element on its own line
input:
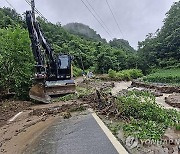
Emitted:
<point x="136" y="18"/>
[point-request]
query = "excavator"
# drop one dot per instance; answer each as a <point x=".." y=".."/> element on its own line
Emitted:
<point x="53" y="75"/>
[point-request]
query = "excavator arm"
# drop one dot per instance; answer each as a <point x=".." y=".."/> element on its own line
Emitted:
<point x="53" y="74"/>
<point x="40" y="47"/>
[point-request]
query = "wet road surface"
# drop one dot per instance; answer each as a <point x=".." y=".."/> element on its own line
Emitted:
<point x="77" y="135"/>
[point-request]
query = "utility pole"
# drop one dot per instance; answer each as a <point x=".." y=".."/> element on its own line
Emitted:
<point x="33" y="8"/>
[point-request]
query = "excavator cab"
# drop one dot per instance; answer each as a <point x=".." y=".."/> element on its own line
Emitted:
<point x="62" y="84"/>
<point x="64" y="66"/>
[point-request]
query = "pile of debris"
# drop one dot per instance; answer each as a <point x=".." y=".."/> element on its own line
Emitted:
<point x="159" y="87"/>
<point x="65" y="108"/>
<point x="173" y="100"/>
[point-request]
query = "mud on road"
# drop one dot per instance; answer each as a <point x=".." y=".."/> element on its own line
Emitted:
<point x="8" y="108"/>
<point x="16" y="136"/>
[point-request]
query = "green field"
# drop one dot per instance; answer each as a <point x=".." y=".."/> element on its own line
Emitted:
<point x="169" y="76"/>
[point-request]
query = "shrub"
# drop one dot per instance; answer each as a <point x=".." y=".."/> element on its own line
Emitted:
<point x="112" y="73"/>
<point x="146" y="118"/>
<point x="77" y="71"/>
<point x="16" y="61"/>
<point x="125" y="74"/>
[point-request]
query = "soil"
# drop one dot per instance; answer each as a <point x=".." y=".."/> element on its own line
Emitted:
<point x="18" y="134"/>
<point x="9" y="108"/>
<point x="159" y="87"/>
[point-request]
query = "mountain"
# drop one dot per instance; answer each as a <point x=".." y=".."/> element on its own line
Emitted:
<point x="121" y="44"/>
<point x="83" y="31"/>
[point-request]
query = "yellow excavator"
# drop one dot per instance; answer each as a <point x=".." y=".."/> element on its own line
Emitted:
<point x="53" y="73"/>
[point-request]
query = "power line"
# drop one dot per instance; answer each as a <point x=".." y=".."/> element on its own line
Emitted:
<point x="98" y="15"/>
<point x="37" y="11"/>
<point x="10" y="5"/>
<point x="95" y="17"/>
<point x="114" y="18"/>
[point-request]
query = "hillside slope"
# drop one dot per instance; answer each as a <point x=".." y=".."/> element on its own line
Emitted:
<point x="83" y="31"/>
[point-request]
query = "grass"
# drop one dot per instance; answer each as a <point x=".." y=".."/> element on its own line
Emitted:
<point x="65" y="98"/>
<point x="115" y="127"/>
<point x="168" y="76"/>
<point x="145" y="119"/>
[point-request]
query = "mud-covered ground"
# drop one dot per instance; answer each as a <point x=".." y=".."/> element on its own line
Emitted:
<point x="8" y="108"/>
<point x="35" y="118"/>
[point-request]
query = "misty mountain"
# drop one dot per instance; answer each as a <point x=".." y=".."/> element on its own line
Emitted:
<point x="83" y="31"/>
<point x="121" y="44"/>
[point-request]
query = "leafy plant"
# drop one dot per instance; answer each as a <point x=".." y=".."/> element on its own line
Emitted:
<point x="125" y="74"/>
<point x="77" y="71"/>
<point x="16" y="61"/>
<point x="147" y="120"/>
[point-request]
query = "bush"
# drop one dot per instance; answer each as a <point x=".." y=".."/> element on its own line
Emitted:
<point x="125" y="74"/>
<point x="77" y="71"/>
<point x="112" y="73"/>
<point x="16" y="61"/>
<point x="147" y="120"/>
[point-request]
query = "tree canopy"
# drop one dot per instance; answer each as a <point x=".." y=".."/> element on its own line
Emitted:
<point x="162" y="49"/>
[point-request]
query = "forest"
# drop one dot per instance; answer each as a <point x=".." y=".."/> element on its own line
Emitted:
<point x="160" y="50"/>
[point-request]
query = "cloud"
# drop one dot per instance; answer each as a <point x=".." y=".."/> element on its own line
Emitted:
<point x="136" y="18"/>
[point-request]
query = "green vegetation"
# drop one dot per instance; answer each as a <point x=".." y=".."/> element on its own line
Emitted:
<point x="16" y="61"/>
<point x="178" y="126"/>
<point x="162" y="49"/>
<point x="90" y="51"/>
<point x="77" y="71"/>
<point x="115" y="127"/>
<point x="9" y="17"/>
<point x="169" y="76"/>
<point x="80" y="93"/>
<point x="146" y="119"/>
<point x="121" y="44"/>
<point x="125" y="74"/>
<point x="89" y="54"/>
<point x="66" y="98"/>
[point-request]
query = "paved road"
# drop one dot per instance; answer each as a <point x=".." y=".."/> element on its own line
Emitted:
<point x="77" y="135"/>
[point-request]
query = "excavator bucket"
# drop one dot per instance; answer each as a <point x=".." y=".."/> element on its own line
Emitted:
<point x="42" y="92"/>
<point x="37" y="92"/>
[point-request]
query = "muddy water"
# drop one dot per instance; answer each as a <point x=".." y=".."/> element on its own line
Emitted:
<point x="161" y="101"/>
<point x="120" y="86"/>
